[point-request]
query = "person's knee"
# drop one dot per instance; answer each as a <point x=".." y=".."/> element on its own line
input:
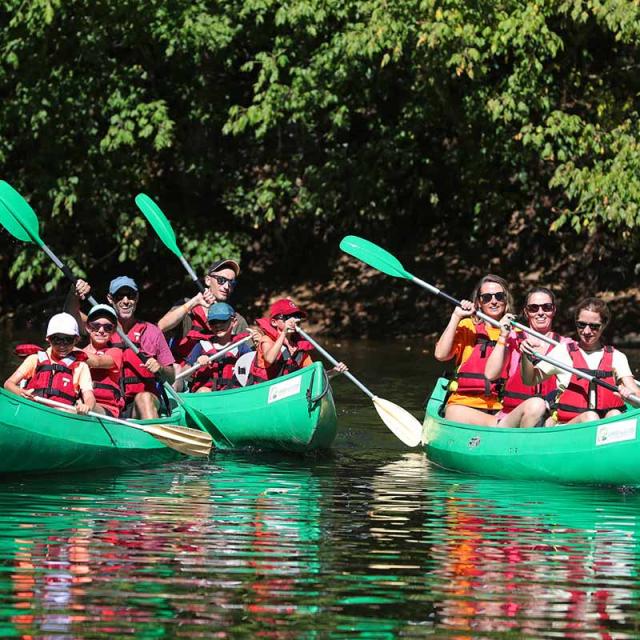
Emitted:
<point x="535" y="407"/>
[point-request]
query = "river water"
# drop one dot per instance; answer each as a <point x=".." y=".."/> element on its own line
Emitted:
<point x="367" y="541"/>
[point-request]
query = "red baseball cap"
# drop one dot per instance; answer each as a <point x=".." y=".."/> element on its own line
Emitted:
<point x="285" y="307"/>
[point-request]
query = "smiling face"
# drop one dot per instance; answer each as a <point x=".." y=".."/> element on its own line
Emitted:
<point x="540" y="311"/>
<point x="124" y="301"/>
<point x="589" y="326"/>
<point x="61" y="345"/>
<point x="492" y="300"/>
<point x="221" y="284"/>
<point x="101" y="329"/>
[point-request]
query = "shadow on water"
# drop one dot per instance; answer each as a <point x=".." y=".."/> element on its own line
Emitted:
<point x="368" y="540"/>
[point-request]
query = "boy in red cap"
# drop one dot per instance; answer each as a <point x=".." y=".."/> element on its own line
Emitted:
<point x="280" y="350"/>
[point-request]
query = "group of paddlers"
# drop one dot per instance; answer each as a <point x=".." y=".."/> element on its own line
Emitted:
<point x="501" y="377"/>
<point x="122" y="369"/>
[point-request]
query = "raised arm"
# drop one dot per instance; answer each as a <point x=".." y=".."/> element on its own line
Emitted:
<point x="445" y="346"/>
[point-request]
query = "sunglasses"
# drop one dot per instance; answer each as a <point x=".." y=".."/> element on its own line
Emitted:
<point x="219" y="324"/>
<point x="547" y="307"/>
<point x="107" y="327"/>
<point x="485" y="298"/>
<point x="125" y="293"/>
<point x="62" y="341"/>
<point x="296" y="316"/>
<point x="594" y="326"/>
<point x="221" y="280"/>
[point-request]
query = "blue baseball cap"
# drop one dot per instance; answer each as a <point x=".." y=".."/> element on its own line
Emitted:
<point x="220" y="312"/>
<point x="120" y="282"/>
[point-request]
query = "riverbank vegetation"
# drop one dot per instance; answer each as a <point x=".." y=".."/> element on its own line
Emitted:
<point x="463" y="136"/>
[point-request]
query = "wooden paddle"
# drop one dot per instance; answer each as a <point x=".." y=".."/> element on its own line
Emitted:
<point x="156" y="218"/>
<point x="212" y="358"/>
<point x="188" y="441"/>
<point x="20" y="220"/>
<point x="399" y="421"/>
<point x="382" y="260"/>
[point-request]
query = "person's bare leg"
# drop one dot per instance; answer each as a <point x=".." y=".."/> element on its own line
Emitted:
<point x="469" y="415"/>
<point x="145" y="406"/>
<point x="527" y="414"/>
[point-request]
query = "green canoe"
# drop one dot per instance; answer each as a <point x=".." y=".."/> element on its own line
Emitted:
<point x="291" y="413"/>
<point x="606" y="452"/>
<point x="37" y="438"/>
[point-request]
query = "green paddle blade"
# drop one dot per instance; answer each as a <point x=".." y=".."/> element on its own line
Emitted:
<point x="374" y="256"/>
<point x="154" y="214"/>
<point x="17" y="216"/>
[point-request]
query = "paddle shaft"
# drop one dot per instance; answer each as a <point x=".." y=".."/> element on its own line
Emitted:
<point x="482" y="316"/>
<point x="213" y="358"/>
<point x="582" y="374"/>
<point x="334" y="362"/>
<point x="192" y="273"/>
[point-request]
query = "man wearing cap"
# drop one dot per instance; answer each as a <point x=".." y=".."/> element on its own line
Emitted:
<point x="220" y="282"/>
<point x="138" y="379"/>
<point x="104" y="360"/>
<point x="218" y="375"/>
<point x="59" y="373"/>
<point x="280" y="349"/>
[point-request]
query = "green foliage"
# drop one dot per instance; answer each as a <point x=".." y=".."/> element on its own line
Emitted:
<point x="261" y="118"/>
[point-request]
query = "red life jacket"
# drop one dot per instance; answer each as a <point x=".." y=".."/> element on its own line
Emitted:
<point x="135" y="377"/>
<point x="199" y="331"/>
<point x="574" y="400"/>
<point x="285" y="363"/>
<point x="55" y="379"/>
<point x="470" y="374"/>
<point x="218" y="375"/>
<point x="106" y="388"/>
<point x="515" y="392"/>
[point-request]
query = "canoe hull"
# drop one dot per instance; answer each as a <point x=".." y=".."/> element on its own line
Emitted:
<point x="605" y="452"/>
<point x="35" y="439"/>
<point x="293" y="413"/>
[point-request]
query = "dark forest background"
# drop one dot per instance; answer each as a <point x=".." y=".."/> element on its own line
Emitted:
<point x="464" y="137"/>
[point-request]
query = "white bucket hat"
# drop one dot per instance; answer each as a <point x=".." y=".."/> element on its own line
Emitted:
<point x="64" y="324"/>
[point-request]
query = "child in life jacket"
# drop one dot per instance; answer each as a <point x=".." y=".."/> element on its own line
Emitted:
<point x="59" y="372"/>
<point x="219" y="374"/>
<point x="104" y="360"/>
<point x="280" y="349"/>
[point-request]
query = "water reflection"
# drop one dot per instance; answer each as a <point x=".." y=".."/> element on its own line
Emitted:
<point x="370" y="542"/>
<point x="562" y="561"/>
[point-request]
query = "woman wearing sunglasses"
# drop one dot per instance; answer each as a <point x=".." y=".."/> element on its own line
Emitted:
<point x="60" y="372"/>
<point x="580" y="400"/>
<point x="539" y="310"/>
<point x="470" y="341"/>
<point x="105" y="361"/>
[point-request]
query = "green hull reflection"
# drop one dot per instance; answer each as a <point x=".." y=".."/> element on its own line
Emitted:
<point x="600" y="453"/>
<point x="292" y="413"/>
<point x="36" y="438"/>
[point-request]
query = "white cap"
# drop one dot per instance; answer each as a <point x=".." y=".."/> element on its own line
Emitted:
<point x="102" y="310"/>
<point x="64" y="324"/>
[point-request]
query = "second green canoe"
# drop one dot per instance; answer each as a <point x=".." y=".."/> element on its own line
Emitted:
<point x="606" y="452"/>
<point x="293" y="413"/>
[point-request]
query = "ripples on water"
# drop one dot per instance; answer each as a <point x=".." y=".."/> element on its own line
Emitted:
<point x="369" y="541"/>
